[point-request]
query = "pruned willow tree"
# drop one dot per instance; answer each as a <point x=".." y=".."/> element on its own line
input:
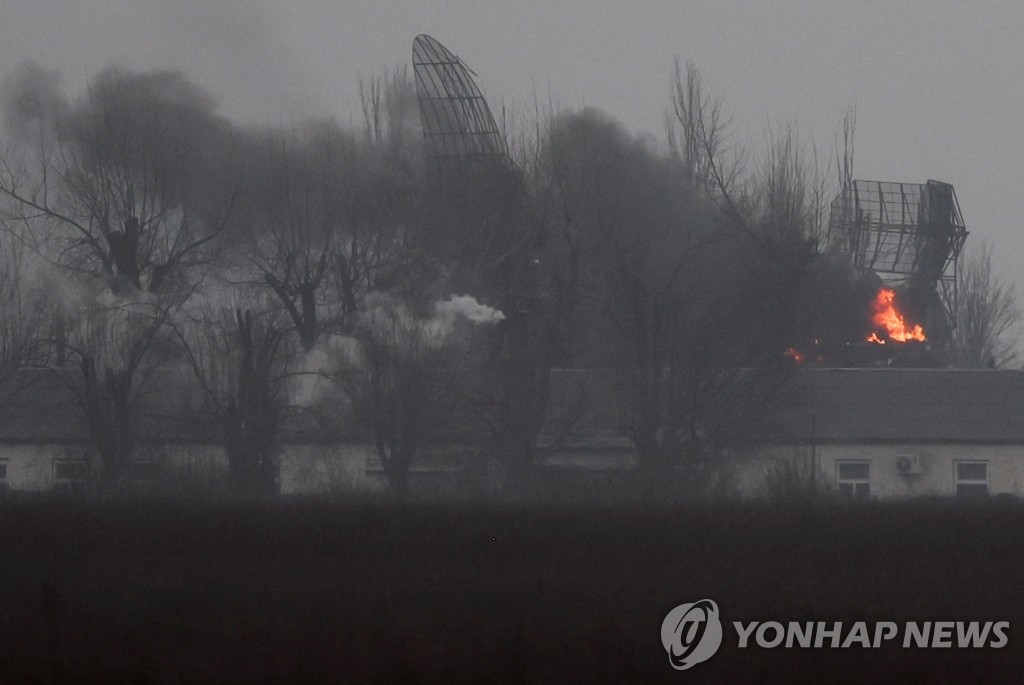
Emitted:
<point x="416" y="377"/>
<point x="123" y="183"/>
<point x="482" y="239"/>
<point x="326" y="213"/>
<point x="241" y="360"/>
<point x="313" y="234"/>
<point x="447" y="232"/>
<point x="123" y="194"/>
<point x="111" y="351"/>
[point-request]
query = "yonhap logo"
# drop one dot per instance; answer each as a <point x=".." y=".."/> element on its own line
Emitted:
<point x="691" y="633"/>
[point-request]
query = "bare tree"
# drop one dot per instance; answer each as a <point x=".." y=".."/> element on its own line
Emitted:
<point x="113" y="348"/>
<point x="402" y="389"/>
<point x="792" y="192"/>
<point x="668" y="290"/>
<point x="120" y="184"/>
<point x="27" y="314"/>
<point x="782" y="198"/>
<point x="332" y="218"/>
<point x="124" y="190"/>
<point x="464" y="226"/>
<point x="699" y="134"/>
<point x="566" y="187"/>
<point x="301" y="224"/>
<point x="779" y="203"/>
<point x="241" y="361"/>
<point x="845" y="150"/>
<point x="419" y="378"/>
<point x="987" y="315"/>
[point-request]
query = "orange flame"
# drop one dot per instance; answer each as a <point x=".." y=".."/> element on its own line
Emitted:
<point x="891" y="321"/>
<point x="794" y="354"/>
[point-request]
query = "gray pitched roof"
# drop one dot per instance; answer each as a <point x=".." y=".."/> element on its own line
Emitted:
<point x="863" y="405"/>
<point x="824" y="405"/>
<point x="35" y="406"/>
<point x="40" y="406"/>
<point x="902" y="405"/>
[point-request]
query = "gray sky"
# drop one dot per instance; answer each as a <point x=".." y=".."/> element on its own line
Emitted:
<point x="939" y="86"/>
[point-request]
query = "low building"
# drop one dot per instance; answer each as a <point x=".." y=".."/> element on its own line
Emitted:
<point x="864" y="433"/>
<point x="44" y="439"/>
<point x="897" y="433"/>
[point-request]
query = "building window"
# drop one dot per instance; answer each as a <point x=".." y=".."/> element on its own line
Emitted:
<point x="971" y="478"/>
<point x="853" y="478"/>
<point x="70" y="474"/>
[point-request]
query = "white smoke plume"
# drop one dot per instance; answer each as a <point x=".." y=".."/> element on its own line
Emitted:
<point x="388" y="320"/>
<point x="391" y="320"/>
<point x="469" y="308"/>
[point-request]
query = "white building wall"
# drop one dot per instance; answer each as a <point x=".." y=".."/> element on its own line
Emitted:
<point x="191" y="467"/>
<point x="753" y="475"/>
<point x="322" y="469"/>
<point x="30" y="467"/>
<point x="354" y="468"/>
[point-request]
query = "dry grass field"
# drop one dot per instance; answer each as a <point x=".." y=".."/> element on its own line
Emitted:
<point x="313" y="591"/>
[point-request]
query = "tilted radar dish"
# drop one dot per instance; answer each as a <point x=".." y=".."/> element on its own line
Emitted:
<point x="457" y="123"/>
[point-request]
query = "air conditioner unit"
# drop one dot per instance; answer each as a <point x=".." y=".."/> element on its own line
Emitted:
<point x="909" y="465"/>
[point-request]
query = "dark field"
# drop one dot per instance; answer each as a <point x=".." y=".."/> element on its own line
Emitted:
<point x="307" y="592"/>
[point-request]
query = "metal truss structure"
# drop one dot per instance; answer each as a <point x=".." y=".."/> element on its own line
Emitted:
<point x="903" y="232"/>
<point x="457" y="123"/>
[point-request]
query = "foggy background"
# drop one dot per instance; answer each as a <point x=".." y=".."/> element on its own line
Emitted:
<point x="938" y="86"/>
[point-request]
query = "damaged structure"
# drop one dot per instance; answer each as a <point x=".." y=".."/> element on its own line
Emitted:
<point x="908" y="236"/>
<point x="457" y="122"/>
<point x="906" y="233"/>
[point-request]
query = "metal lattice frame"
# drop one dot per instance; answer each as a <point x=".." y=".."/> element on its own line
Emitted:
<point x="457" y="123"/>
<point x="902" y="231"/>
